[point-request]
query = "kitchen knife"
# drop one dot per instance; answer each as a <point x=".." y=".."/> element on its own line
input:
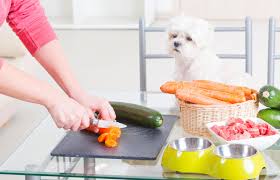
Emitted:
<point x="107" y="123"/>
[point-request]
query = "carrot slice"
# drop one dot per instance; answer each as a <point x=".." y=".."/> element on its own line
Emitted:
<point x="112" y="136"/>
<point x="103" y="137"/>
<point x="103" y="130"/>
<point x="197" y="98"/>
<point x="116" y="131"/>
<point x="111" y="143"/>
<point x="111" y="130"/>
<point x="223" y="96"/>
<point x="211" y="85"/>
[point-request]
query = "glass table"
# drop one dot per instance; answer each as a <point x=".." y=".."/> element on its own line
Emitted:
<point x="31" y="158"/>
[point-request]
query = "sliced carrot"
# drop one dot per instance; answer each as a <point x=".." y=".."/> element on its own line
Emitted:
<point x="111" y="143"/>
<point x="112" y="136"/>
<point x="109" y="136"/>
<point x="211" y="85"/>
<point x="116" y="131"/>
<point x="103" y="130"/>
<point x="111" y="130"/>
<point x="102" y="137"/>
<point x="197" y="98"/>
<point x="223" y="96"/>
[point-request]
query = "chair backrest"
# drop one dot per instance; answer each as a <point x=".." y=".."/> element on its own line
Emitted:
<point x="272" y="56"/>
<point x="143" y="56"/>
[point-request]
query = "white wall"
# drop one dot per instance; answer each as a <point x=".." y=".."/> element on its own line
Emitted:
<point x="214" y="9"/>
<point x="165" y="8"/>
<point x="220" y="9"/>
<point x="57" y="8"/>
<point x="101" y="60"/>
<point x="108" y="7"/>
<point x="109" y="60"/>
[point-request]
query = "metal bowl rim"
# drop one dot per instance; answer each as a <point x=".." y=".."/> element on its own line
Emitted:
<point x="257" y="152"/>
<point x="211" y="144"/>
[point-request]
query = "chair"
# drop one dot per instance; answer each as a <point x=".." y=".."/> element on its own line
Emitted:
<point x="272" y="56"/>
<point x="143" y="56"/>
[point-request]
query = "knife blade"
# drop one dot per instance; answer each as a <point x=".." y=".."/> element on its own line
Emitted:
<point x="107" y="123"/>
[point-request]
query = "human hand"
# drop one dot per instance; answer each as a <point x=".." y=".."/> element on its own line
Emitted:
<point x="97" y="104"/>
<point x="69" y="114"/>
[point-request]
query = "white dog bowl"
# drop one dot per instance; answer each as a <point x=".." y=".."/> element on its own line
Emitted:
<point x="260" y="143"/>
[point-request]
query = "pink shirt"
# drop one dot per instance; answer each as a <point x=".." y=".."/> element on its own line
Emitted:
<point x="28" y="21"/>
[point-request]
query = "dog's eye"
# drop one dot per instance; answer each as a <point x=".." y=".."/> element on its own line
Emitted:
<point x="189" y="39"/>
<point x="174" y="35"/>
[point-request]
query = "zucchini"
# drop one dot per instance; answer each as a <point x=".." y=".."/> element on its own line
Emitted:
<point x="271" y="116"/>
<point x="270" y="96"/>
<point x="137" y="114"/>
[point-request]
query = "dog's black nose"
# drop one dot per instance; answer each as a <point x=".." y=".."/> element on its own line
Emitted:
<point x="177" y="44"/>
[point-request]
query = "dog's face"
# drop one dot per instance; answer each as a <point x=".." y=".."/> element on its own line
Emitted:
<point x="187" y="36"/>
<point x="181" y="43"/>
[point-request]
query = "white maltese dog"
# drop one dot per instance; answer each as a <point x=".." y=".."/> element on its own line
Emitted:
<point x="189" y="42"/>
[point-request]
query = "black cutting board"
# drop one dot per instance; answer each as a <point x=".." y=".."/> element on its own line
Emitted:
<point x="136" y="142"/>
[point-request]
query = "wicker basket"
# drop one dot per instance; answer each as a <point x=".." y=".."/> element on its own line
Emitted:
<point x="194" y="117"/>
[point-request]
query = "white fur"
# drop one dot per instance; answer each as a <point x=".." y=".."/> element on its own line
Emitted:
<point x="194" y="58"/>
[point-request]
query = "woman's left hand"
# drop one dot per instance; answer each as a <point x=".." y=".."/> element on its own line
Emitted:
<point x="96" y="104"/>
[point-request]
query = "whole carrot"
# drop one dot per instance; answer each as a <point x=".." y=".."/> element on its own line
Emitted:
<point x="252" y="96"/>
<point x="211" y="85"/>
<point x="246" y="90"/>
<point x="172" y="86"/>
<point x="197" y="98"/>
<point x="169" y="87"/>
<point x="223" y="96"/>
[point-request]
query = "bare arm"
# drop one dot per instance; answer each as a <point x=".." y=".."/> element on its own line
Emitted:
<point x="66" y="112"/>
<point x="52" y="58"/>
<point x="20" y="85"/>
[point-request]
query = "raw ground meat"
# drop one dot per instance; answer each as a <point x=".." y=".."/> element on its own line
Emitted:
<point x="237" y="129"/>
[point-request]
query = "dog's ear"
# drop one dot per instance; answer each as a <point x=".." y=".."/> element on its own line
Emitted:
<point x="202" y="33"/>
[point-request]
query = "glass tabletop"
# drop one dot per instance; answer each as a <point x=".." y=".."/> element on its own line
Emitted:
<point x="32" y="157"/>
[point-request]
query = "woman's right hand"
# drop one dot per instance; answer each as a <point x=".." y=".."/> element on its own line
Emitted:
<point x="66" y="112"/>
<point x="69" y="114"/>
